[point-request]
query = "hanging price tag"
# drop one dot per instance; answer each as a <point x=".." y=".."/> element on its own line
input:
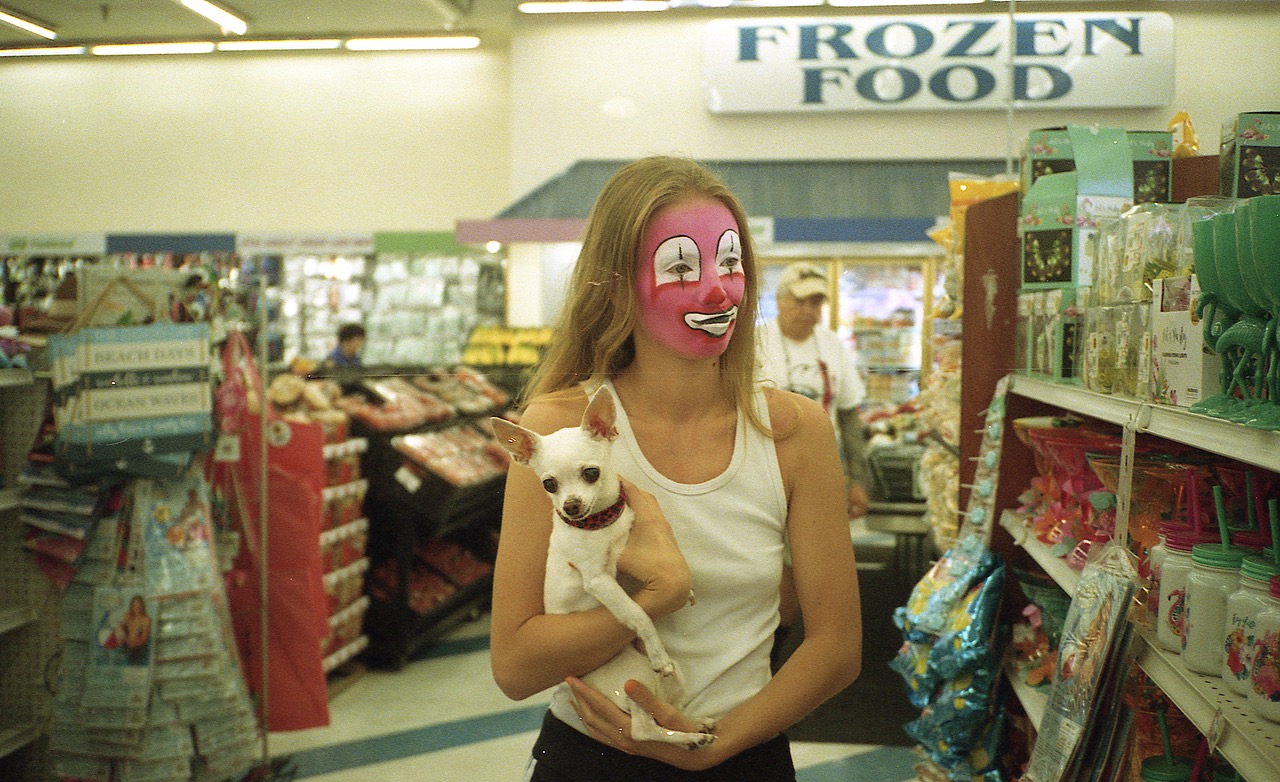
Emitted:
<point x="1139" y="421"/>
<point x="227" y="448"/>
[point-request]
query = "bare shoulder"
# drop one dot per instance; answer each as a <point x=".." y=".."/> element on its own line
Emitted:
<point x="794" y="417"/>
<point x="549" y="412"/>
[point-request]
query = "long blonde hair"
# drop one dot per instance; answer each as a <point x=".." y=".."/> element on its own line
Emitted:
<point x="593" y="336"/>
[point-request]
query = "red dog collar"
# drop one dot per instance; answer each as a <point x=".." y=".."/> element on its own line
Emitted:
<point x="600" y="519"/>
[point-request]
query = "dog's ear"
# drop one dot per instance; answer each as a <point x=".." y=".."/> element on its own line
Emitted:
<point x="519" y="442"/>
<point x="599" y="417"/>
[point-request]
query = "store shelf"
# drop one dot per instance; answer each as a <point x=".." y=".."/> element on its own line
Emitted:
<point x="1226" y="438"/>
<point x="351" y="447"/>
<point x="13" y="618"/>
<point x="1034" y="700"/>
<point x="1250" y="743"/>
<point x="1056" y="567"/>
<point x="331" y="536"/>
<point x="15" y="738"/>
<point x="10" y="498"/>
<point x="15" y="376"/>
<point x="345" y="653"/>
<point x="355" y="488"/>
<point x="333" y="577"/>
<point x="350" y="612"/>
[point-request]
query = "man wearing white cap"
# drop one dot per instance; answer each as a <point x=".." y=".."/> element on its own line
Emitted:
<point x="797" y="355"/>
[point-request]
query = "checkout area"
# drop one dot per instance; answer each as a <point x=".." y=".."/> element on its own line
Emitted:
<point x="898" y="507"/>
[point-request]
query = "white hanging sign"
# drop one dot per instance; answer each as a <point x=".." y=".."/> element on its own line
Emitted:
<point x="304" y="244"/>
<point x="53" y="244"/>
<point x="876" y="63"/>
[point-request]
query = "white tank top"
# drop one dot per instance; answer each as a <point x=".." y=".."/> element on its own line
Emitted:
<point x="731" y="531"/>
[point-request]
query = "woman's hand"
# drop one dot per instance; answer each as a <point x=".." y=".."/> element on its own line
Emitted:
<point x="653" y="558"/>
<point x="857" y="500"/>
<point x="612" y="726"/>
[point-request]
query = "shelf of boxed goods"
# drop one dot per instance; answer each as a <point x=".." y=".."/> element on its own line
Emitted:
<point x="344" y="587"/>
<point x="1249" y="743"/>
<point x="342" y="551"/>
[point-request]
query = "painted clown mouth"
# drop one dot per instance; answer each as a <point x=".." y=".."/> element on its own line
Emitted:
<point x="716" y="324"/>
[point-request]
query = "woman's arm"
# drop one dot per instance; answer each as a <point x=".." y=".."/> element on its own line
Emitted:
<point x="530" y="650"/>
<point x="830" y="657"/>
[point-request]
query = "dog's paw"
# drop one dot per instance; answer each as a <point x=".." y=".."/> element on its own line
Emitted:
<point x="665" y="670"/>
<point x="701" y="740"/>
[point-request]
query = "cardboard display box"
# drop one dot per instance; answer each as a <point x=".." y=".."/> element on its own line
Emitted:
<point x="1183" y="369"/>
<point x="1049" y="334"/>
<point x="1249" y="158"/>
<point x="1050" y="151"/>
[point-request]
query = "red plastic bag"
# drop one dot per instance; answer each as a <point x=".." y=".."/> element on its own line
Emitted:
<point x="296" y="608"/>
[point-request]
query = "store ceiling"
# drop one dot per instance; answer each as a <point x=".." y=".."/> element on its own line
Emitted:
<point x="93" y="21"/>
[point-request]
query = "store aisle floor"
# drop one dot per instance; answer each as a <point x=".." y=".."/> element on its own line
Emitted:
<point x="442" y="719"/>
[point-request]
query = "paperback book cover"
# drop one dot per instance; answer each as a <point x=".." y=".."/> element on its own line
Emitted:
<point x="175" y="519"/>
<point x="119" y="673"/>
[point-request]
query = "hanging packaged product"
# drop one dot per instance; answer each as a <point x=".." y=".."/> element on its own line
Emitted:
<point x="130" y="391"/>
<point x="1095" y="643"/>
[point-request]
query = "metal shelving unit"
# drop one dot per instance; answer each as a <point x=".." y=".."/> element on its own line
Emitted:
<point x="32" y="611"/>
<point x="1225" y="438"/>
<point x="1249" y="743"/>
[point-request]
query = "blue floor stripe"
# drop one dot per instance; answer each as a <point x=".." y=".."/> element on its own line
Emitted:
<point x="418" y="741"/>
<point x="883" y="764"/>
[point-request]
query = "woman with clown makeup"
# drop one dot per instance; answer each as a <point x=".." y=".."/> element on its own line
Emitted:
<point x="720" y="470"/>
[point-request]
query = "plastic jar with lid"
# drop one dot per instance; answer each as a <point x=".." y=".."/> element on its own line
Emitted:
<point x="1155" y="561"/>
<point x="1158" y="768"/>
<point x="1174" y="570"/>
<point x="1243" y="607"/>
<point x="1215" y="574"/>
<point x="1264" y="676"/>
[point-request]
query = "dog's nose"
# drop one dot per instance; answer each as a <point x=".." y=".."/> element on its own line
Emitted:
<point x="573" y="507"/>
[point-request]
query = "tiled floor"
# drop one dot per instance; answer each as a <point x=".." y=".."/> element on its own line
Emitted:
<point x="442" y="719"/>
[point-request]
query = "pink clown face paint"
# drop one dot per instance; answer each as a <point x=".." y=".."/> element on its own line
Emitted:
<point x="691" y="279"/>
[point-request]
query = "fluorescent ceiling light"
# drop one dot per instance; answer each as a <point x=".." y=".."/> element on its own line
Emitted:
<point x="229" y="22"/>
<point x="875" y="3"/>
<point x="42" y="51"/>
<point x="746" y="3"/>
<point x="590" y="6"/>
<point x="26" y="24"/>
<point x="188" y="47"/>
<point x="297" y="44"/>
<point x="405" y="44"/>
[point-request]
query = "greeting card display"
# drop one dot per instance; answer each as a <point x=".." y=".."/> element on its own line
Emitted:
<point x="150" y="687"/>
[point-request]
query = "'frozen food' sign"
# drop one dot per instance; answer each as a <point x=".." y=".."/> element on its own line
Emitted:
<point x="867" y="63"/>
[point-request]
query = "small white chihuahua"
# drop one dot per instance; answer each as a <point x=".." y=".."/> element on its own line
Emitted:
<point x="590" y="529"/>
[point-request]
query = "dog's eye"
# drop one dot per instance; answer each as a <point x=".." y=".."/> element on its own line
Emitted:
<point x="591" y="474"/>
<point x="550" y="485"/>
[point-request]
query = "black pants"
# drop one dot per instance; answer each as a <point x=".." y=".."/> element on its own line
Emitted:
<point x="564" y="754"/>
